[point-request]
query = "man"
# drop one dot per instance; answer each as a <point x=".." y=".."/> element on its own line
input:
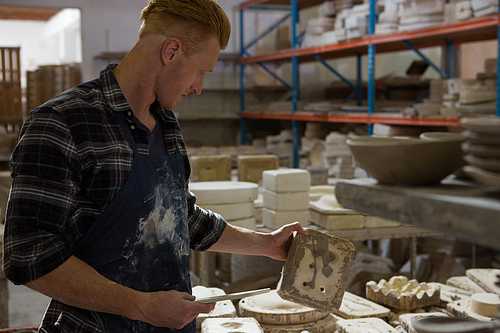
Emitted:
<point x="99" y="216"/>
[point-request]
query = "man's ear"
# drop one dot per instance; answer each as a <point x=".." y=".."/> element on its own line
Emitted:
<point x="171" y="50"/>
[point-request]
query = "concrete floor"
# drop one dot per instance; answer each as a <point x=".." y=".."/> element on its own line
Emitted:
<point x="26" y="307"/>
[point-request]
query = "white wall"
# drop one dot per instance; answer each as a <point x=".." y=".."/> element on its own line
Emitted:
<point x="53" y="42"/>
<point x="119" y="18"/>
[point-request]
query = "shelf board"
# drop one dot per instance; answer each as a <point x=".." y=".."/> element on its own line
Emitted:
<point x="301" y="4"/>
<point x="363" y="118"/>
<point x="478" y="29"/>
<point x="465" y="210"/>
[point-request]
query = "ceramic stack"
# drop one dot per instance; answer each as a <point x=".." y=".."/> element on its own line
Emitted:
<point x="285" y="197"/>
<point x="482" y="149"/>
<point x="388" y="20"/>
<point x="484" y="7"/>
<point x="421" y="14"/>
<point x="338" y="156"/>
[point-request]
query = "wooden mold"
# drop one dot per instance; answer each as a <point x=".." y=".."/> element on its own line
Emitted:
<point x="316" y="270"/>
<point x="402" y="293"/>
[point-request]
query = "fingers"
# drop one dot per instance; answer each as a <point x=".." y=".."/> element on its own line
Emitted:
<point x="173" y="309"/>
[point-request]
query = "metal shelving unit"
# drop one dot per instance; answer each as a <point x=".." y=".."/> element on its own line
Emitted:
<point x="447" y="36"/>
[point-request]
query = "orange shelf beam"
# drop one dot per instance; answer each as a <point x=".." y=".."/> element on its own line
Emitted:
<point x="301" y="4"/>
<point x="363" y="119"/>
<point x="483" y="28"/>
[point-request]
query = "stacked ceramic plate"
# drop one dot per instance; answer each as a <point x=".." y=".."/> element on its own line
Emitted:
<point x="482" y="149"/>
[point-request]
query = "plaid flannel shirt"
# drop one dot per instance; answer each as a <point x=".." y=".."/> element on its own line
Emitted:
<point x="71" y="161"/>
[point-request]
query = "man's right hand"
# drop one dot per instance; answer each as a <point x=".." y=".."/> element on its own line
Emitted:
<point x="77" y="284"/>
<point x="173" y="309"/>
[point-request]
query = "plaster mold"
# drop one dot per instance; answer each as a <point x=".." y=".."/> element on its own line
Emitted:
<point x="316" y="271"/>
<point x="223" y="309"/>
<point x="402" y="293"/>
<point x="272" y="309"/>
<point x="326" y="324"/>
<point x="364" y="325"/>
<point x="231" y="325"/>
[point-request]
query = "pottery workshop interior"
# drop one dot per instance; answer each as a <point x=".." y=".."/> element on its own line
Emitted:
<point x="375" y="124"/>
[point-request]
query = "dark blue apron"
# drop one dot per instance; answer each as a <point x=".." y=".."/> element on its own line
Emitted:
<point x="141" y="240"/>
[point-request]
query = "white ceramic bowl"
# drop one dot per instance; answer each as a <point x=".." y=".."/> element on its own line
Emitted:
<point x="402" y="161"/>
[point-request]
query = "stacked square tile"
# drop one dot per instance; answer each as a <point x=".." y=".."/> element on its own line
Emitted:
<point x="232" y="200"/>
<point x="339" y="156"/>
<point x="285" y="197"/>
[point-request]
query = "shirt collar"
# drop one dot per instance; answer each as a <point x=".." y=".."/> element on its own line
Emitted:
<point x="112" y="91"/>
<point x="114" y="95"/>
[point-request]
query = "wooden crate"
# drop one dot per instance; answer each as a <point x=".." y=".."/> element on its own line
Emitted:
<point x="10" y="85"/>
<point x="48" y="81"/>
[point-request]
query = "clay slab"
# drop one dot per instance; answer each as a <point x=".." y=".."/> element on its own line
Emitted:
<point x="286" y="180"/>
<point x="286" y="200"/>
<point x="316" y="270"/>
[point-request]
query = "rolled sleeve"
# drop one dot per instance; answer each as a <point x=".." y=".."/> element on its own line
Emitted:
<point x="42" y="198"/>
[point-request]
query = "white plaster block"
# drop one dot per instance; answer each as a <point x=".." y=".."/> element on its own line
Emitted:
<point x="286" y="201"/>
<point x="231" y="325"/>
<point x="276" y="219"/>
<point x="223" y="192"/>
<point x="286" y="180"/>
<point x="234" y="211"/>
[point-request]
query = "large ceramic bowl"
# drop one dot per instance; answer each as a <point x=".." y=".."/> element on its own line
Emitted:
<point x="402" y="161"/>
